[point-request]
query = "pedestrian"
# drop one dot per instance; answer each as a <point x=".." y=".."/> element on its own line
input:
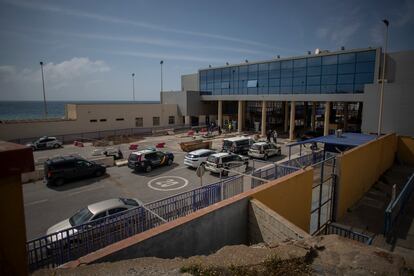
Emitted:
<point x="229" y="127"/>
<point x="268" y="135"/>
<point x="275" y="136"/>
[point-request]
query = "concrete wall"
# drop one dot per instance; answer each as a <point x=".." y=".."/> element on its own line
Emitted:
<point x="267" y="226"/>
<point x="360" y="168"/>
<point x="291" y="197"/>
<point x="201" y="234"/>
<point x="189" y="103"/>
<point x="398" y="101"/>
<point x="86" y="112"/>
<point x="405" y="150"/>
<point x="189" y="82"/>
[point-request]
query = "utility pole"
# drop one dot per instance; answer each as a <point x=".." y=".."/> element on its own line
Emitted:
<point x="161" y="63"/>
<point x="386" y="22"/>
<point x="133" y="86"/>
<point x="44" y="93"/>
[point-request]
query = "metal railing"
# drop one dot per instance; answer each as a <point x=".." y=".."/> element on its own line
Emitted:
<point x="333" y="228"/>
<point x="61" y="247"/>
<point x="306" y="160"/>
<point x="396" y="207"/>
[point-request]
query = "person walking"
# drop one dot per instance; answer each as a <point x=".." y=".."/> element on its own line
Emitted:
<point x="268" y="135"/>
<point x="274" y="136"/>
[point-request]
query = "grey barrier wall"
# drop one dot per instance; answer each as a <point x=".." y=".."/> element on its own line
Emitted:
<point x="265" y="225"/>
<point x="202" y="235"/>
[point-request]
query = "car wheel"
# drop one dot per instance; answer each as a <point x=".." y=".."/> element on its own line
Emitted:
<point x="98" y="173"/>
<point x="33" y="148"/>
<point x="169" y="162"/>
<point x="59" y="182"/>
<point x="55" y="146"/>
<point x="148" y="168"/>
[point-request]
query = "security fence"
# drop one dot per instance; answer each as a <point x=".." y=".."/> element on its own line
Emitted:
<point x="346" y="232"/>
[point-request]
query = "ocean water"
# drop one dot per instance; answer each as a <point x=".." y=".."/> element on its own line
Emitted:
<point x="35" y="109"/>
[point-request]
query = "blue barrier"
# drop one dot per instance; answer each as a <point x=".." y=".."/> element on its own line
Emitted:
<point x="396" y="207"/>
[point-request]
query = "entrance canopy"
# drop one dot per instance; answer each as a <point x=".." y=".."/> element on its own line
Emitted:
<point x="332" y="143"/>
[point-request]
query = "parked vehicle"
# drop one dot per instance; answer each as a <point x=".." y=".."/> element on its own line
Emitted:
<point x="59" y="170"/>
<point x="92" y="213"/>
<point x="45" y="143"/>
<point x="264" y="150"/>
<point x="146" y="160"/>
<point x="225" y="160"/>
<point x="198" y="157"/>
<point x="238" y="145"/>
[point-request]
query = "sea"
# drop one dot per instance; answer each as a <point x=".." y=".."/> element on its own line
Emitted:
<point x="23" y="110"/>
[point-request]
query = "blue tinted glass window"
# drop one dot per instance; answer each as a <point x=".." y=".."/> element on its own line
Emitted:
<point x="253" y="68"/>
<point x="203" y="86"/>
<point x="243" y="84"/>
<point x="314" y="80"/>
<point x="286" y="89"/>
<point x="225" y="91"/>
<point x="365" y="67"/>
<point x="263" y="90"/>
<point x="299" y="72"/>
<point x="225" y="85"/>
<point x="313" y="89"/>
<point x="366" y="56"/>
<point x="286" y="73"/>
<point x="234" y="71"/>
<point x="274" y="65"/>
<point x="225" y="74"/>
<point x="299" y="89"/>
<point x="329" y="69"/>
<point x="286" y="82"/>
<point x="210" y="75"/>
<point x="210" y="86"/>
<point x="314" y="61"/>
<point x="346" y="68"/>
<point x="359" y="88"/>
<point x="243" y="72"/>
<point x="252" y="90"/>
<point x="328" y="79"/>
<point x="274" y="74"/>
<point x="253" y="75"/>
<point x="263" y="66"/>
<point x="313" y="71"/>
<point x="286" y="64"/>
<point x="217" y="85"/>
<point x="274" y="82"/>
<point x="263" y="83"/>
<point x="328" y="89"/>
<point x="346" y="79"/>
<point x="252" y="83"/>
<point x="217" y="74"/>
<point x="329" y="60"/>
<point x="346" y="58"/>
<point x="263" y="74"/>
<point x="298" y="63"/>
<point x="203" y="75"/>
<point x="299" y="81"/>
<point x="364" y="78"/>
<point x="345" y="88"/>
<point x="274" y="90"/>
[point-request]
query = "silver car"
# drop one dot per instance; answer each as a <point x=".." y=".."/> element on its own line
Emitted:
<point x="89" y="214"/>
<point x="45" y="143"/>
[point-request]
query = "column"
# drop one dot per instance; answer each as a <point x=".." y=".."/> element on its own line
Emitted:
<point x="264" y="113"/>
<point x="220" y="113"/>
<point x="201" y="120"/>
<point x="305" y="116"/>
<point x="286" y="116"/>
<point x="292" y="121"/>
<point x="345" y="116"/>
<point x="313" y="119"/>
<point x="326" y="122"/>
<point x="240" y="117"/>
<point x="187" y="120"/>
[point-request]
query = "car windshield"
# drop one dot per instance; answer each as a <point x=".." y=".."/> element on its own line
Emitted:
<point x="133" y="157"/>
<point x="227" y="144"/>
<point x="82" y="216"/>
<point x="256" y="147"/>
<point x="213" y="159"/>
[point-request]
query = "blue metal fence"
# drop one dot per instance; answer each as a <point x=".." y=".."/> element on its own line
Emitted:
<point x="396" y="207"/>
<point x="58" y="248"/>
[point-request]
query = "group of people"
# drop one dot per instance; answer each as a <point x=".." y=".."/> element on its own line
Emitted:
<point x="271" y="135"/>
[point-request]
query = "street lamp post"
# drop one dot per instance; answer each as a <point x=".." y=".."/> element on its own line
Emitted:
<point x="386" y="22"/>
<point x="44" y="93"/>
<point x="133" y="86"/>
<point x="161" y="63"/>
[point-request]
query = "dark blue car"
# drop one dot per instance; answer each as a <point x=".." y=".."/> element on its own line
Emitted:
<point x="146" y="160"/>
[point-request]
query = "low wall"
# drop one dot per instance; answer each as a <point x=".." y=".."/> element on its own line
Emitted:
<point x="291" y="197"/>
<point x="405" y="150"/>
<point x="360" y="167"/>
<point x="107" y="161"/>
<point x="267" y="226"/>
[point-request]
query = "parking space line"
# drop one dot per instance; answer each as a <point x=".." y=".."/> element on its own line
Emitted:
<point x="35" y="202"/>
<point x="85" y="190"/>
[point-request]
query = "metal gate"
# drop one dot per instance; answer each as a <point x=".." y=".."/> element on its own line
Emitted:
<point x="323" y="194"/>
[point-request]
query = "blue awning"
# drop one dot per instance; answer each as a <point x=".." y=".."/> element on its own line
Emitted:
<point x="347" y="139"/>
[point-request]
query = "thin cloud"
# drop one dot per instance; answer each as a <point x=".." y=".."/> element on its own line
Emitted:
<point x="117" y="20"/>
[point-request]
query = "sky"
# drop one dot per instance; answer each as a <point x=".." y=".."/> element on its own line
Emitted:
<point x="91" y="48"/>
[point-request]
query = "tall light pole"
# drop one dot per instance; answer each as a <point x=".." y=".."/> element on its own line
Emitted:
<point x="44" y="94"/>
<point x="161" y="63"/>
<point x="387" y="23"/>
<point x="133" y="86"/>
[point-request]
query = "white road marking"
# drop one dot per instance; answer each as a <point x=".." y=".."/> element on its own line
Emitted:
<point x="164" y="183"/>
<point x="85" y="190"/>
<point x="36" y="202"/>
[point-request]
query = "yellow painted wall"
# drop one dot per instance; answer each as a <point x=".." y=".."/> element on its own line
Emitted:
<point x="361" y="167"/>
<point x="290" y="197"/>
<point x="405" y="150"/>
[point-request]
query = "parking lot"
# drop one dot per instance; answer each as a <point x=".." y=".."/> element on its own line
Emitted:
<point x="47" y="205"/>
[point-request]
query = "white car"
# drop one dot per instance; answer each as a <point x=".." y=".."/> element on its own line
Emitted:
<point x="45" y="143"/>
<point x="225" y="160"/>
<point x="198" y="157"/>
<point x="264" y="150"/>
